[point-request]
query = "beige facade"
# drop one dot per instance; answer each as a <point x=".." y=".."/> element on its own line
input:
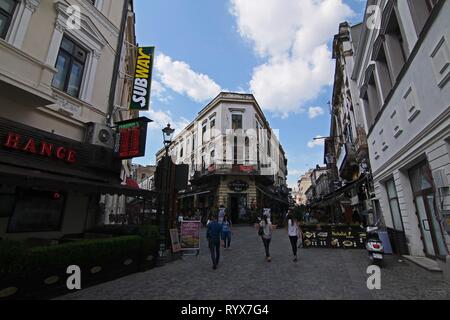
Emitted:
<point x="303" y="185"/>
<point x="42" y="40"/>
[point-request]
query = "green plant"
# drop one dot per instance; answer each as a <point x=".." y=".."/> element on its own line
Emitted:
<point x="86" y="253"/>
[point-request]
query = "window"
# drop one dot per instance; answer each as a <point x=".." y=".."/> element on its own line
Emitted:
<point x="213" y="154"/>
<point x="204" y="134"/>
<point x="37" y="211"/>
<point x="395" y="45"/>
<point x="420" y="12"/>
<point x="181" y="152"/>
<point x="394" y="205"/>
<point x="7" y="8"/>
<point x="212" y="126"/>
<point x="236" y="121"/>
<point x="70" y="64"/>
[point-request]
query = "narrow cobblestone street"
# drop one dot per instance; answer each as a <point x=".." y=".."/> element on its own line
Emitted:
<point x="244" y="274"/>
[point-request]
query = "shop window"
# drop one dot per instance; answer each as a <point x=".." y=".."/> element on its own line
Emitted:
<point x="70" y="64"/>
<point x="37" y="211"/>
<point x="7" y="9"/>
<point x="394" y="205"/>
<point x="7" y="199"/>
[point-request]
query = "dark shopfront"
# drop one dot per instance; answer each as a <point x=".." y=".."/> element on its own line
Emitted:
<point x="50" y="185"/>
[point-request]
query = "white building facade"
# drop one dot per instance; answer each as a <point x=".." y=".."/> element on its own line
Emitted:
<point x="234" y="158"/>
<point x="402" y="68"/>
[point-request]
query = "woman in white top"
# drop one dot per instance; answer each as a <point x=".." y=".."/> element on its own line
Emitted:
<point x="293" y="232"/>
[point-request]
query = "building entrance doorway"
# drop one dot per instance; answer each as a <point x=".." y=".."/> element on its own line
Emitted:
<point x="238" y="207"/>
<point x="424" y="198"/>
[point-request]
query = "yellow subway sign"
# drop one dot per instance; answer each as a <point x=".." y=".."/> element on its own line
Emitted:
<point x="140" y="99"/>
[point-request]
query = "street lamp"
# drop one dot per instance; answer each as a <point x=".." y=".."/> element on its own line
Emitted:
<point x="167" y="136"/>
<point x="166" y="166"/>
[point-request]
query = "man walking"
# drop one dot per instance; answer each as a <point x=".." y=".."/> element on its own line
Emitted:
<point x="213" y="234"/>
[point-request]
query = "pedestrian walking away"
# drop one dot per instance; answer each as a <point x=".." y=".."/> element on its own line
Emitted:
<point x="294" y="233"/>
<point x="213" y="235"/>
<point x="266" y="234"/>
<point x="226" y="232"/>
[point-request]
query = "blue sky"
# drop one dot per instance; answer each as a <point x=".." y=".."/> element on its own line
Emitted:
<point x="278" y="50"/>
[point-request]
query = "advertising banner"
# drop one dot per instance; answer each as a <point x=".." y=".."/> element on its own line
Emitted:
<point x="333" y="237"/>
<point x="175" y="239"/>
<point x="140" y="99"/>
<point x="190" y="235"/>
<point x="131" y="138"/>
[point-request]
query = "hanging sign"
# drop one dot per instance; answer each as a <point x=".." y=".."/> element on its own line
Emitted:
<point x="238" y="186"/>
<point x="140" y="99"/>
<point x="131" y="138"/>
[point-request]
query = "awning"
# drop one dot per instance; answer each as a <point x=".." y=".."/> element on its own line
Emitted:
<point x="24" y="177"/>
<point x="346" y="188"/>
<point x="192" y="194"/>
<point x="272" y="196"/>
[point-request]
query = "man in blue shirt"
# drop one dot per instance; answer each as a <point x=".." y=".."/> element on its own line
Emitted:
<point x="213" y="234"/>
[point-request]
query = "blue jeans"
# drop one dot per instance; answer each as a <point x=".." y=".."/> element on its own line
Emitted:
<point x="214" y="246"/>
<point x="226" y="237"/>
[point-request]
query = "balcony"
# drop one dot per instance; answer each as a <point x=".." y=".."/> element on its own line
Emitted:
<point x="24" y="77"/>
<point x="347" y="163"/>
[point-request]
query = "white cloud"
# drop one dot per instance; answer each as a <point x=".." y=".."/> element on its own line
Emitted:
<point x="161" y="119"/>
<point x="315" y="112"/>
<point x="316" y="143"/>
<point x="179" y="77"/>
<point x="292" y="36"/>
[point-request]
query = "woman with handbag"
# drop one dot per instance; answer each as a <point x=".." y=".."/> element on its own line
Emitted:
<point x="265" y="231"/>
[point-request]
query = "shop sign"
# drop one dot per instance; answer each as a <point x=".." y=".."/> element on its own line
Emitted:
<point x="247" y="169"/>
<point x="333" y="237"/>
<point x="131" y="138"/>
<point x="39" y="147"/>
<point x="142" y="79"/>
<point x="175" y="240"/>
<point x="238" y="186"/>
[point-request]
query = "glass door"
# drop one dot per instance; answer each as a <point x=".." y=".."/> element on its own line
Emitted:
<point x="422" y="185"/>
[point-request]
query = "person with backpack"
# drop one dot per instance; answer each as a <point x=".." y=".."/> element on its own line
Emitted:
<point x="265" y="232"/>
<point x="226" y="232"/>
<point x="294" y="233"/>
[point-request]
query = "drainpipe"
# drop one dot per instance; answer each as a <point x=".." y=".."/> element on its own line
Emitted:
<point x="115" y="75"/>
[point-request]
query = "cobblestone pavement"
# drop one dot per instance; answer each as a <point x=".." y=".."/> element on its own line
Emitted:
<point x="243" y="274"/>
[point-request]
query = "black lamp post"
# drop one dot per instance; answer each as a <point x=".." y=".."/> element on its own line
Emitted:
<point x="167" y="135"/>
<point x="167" y="140"/>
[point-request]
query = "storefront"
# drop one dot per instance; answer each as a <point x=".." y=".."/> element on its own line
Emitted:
<point x="50" y="186"/>
<point x="243" y="196"/>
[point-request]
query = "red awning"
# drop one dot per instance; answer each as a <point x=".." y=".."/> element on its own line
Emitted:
<point x="132" y="183"/>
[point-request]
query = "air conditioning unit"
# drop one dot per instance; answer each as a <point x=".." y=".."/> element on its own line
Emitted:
<point x="100" y="135"/>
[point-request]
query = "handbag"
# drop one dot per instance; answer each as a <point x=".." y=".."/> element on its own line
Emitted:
<point x="261" y="231"/>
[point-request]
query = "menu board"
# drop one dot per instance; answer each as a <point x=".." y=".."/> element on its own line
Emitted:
<point x="190" y="235"/>
<point x="334" y="237"/>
